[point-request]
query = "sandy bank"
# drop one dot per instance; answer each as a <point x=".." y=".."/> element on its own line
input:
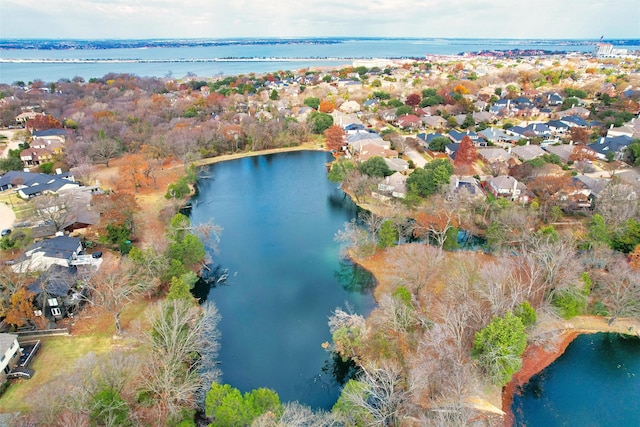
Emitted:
<point x="225" y="157"/>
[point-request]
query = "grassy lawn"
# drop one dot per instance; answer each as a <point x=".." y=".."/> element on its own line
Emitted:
<point x="59" y="354"/>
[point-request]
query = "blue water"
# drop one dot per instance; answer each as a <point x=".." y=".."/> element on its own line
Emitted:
<point x="596" y="382"/>
<point x="286" y="275"/>
<point x="313" y="54"/>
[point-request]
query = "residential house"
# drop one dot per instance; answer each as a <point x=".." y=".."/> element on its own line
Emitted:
<point x="57" y="292"/>
<point x="370" y="104"/>
<point x="349" y="107"/>
<point x="30" y="184"/>
<point x="527" y="152"/>
<point x="392" y="186"/>
<point x="498" y="136"/>
<point x="575" y="121"/>
<point x="10" y="351"/>
<point x="60" y="250"/>
<point x="615" y="145"/>
<point x="357" y="141"/>
<point x="577" y="111"/>
<point x="465" y="186"/>
<point x="631" y="129"/>
<point x="23" y="118"/>
<point x="434" y="122"/>
<point x="426" y="138"/>
<point x="558" y="127"/>
<point x="409" y="121"/>
<point x="374" y="150"/>
<point x="564" y="151"/>
<point x="35" y="156"/>
<point x="456" y="136"/>
<point x="397" y="164"/>
<point x="495" y="155"/>
<point x="531" y="130"/>
<point x="508" y="187"/>
<point x="388" y="115"/>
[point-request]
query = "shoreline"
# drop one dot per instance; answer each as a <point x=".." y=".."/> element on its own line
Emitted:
<point x="307" y="146"/>
<point x="538" y="356"/>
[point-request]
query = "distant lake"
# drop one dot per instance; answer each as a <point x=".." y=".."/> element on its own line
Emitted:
<point x="308" y="55"/>
<point x="285" y="272"/>
<point x="596" y="382"/>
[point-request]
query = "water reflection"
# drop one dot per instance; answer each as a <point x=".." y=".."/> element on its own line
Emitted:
<point x="354" y="278"/>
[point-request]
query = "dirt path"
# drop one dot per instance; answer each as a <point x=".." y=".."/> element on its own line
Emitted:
<point x="7" y="217"/>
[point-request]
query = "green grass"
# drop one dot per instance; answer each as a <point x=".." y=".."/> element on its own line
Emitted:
<point x="59" y="354"/>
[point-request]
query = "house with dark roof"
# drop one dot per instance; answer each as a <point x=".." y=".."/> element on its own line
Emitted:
<point x="60" y="250"/>
<point x="456" y="136"/>
<point x="531" y="130"/>
<point x="558" y="127"/>
<point x="615" y="145"/>
<point x="57" y="292"/>
<point x="575" y="121"/>
<point x="30" y="184"/>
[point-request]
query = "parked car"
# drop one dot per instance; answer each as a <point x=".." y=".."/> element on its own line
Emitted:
<point x="5" y="232"/>
<point x="97" y="254"/>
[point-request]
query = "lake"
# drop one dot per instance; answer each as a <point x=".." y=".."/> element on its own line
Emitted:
<point x="596" y="382"/>
<point x="259" y="58"/>
<point x="285" y="272"/>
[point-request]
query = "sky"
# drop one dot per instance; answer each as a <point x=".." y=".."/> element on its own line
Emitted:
<point x="123" y="19"/>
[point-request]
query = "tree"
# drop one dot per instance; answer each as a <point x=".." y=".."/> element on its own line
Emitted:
<point x="499" y="346"/>
<point x="388" y="235"/>
<point x="182" y="345"/>
<point x="319" y="122"/>
<point x="340" y="169"/>
<point x="430" y="179"/>
<point x="274" y="95"/>
<point x="43" y="122"/>
<point x="312" y="102"/>
<point x="112" y="289"/>
<point x="617" y="203"/>
<point x="20" y="311"/>
<point x="326" y="106"/>
<point x="466" y="156"/>
<point x="56" y="209"/>
<point x="104" y="149"/>
<point x="227" y="407"/>
<point x="335" y="139"/>
<point x="439" y="144"/>
<point x="413" y="99"/>
<point x="435" y="221"/>
<point x="375" y="167"/>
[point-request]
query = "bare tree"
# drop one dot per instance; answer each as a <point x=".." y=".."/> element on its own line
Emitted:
<point x="57" y="209"/>
<point x="415" y="265"/>
<point x="112" y="289"/>
<point x="180" y="338"/>
<point x="382" y="393"/>
<point x="619" y="289"/>
<point x="617" y="203"/>
<point x="103" y="150"/>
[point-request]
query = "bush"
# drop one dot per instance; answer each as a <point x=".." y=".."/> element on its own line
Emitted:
<point x="569" y="303"/>
<point x="526" y="313"/>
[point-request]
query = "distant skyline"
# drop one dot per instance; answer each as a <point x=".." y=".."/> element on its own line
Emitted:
<point x="123" y="19"/>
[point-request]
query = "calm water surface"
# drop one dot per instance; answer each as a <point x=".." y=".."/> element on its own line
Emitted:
<point x="596" y="382"/>
<point x="280" y="214"/>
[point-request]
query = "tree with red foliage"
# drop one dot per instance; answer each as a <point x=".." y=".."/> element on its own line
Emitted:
<point x="334" y="139"/>
<point x="466" y="156"/>
<point x="413" y="100"/>
<point x="43" y="122"/>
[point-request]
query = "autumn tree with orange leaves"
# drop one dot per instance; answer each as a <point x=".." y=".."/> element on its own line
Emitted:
<point x="326" y="106"/>
<point x="435" y="221"/>
<point x="334" y="136"/>
<point x="21" y="307"/>
<point x="466" y="156"/>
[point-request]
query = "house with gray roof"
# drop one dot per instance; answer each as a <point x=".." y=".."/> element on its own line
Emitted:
<point x="527" y="152"/>
<point x="392" y="186"/>
<point x="499" y="136"/>
<point x="508" y="187"/>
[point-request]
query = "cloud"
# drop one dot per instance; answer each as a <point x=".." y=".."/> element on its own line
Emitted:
<point x="280" y="18"/>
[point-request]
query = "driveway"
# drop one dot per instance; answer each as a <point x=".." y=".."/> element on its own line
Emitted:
<point x="7" y="217"/>
<point x="416" y="157"/>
